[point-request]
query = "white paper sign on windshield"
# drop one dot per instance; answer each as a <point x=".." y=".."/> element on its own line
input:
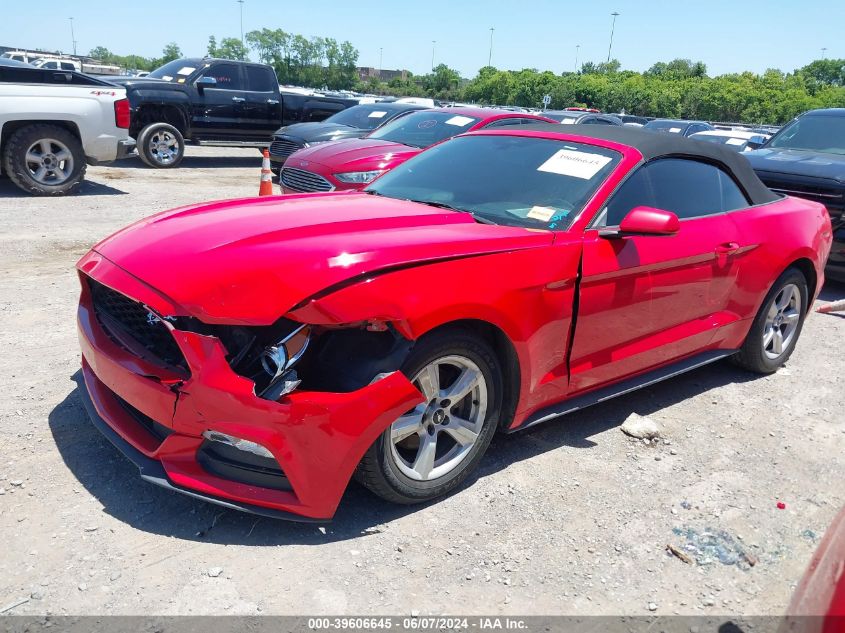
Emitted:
<point x="459" y="121"/>
<point x="185" y="70"/>
<point x="544" y="214"/>
<point x="735" y="141"/>
<point x="567" y="162"/>
<point x="377" y="115"/>
<point x="674" y="130"/>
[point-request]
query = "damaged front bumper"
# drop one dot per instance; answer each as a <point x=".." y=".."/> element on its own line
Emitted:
<point x="157" y="418"/>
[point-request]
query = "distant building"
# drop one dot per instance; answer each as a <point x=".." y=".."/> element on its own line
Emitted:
<point x="367" y="72"/>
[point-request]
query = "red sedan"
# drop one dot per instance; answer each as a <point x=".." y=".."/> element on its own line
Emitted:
<point x="259" y="352"/>
<point x="354" y="163"/>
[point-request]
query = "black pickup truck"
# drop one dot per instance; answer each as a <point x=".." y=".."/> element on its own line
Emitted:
<point x="806" y="158"/>
<point x="214" y="102"/>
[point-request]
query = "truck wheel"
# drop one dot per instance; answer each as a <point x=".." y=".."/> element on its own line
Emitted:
<point x="161" y="145"/>
<point x="45" y="160"/>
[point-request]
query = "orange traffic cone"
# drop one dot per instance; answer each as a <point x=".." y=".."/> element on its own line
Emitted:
<point x="266" y="186"/>
<point x="836" y="306"/>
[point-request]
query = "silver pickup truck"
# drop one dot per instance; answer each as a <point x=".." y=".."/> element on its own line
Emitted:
<point x="55" y="122"/>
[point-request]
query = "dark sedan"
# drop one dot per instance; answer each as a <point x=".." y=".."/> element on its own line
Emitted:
<point x="354" y="122"/>
<point x="677" y="126"/>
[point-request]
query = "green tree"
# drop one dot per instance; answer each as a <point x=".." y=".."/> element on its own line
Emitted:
<point x="230" y="48"/>
<point x="170" y="52"/>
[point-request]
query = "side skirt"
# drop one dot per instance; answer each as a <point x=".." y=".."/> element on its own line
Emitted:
<point x="621" y="388"/>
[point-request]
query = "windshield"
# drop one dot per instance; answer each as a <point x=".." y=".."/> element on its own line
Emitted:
<point x="173" y="71"/>
<point x="672" y="127"/>
<point x="813" y="133"/>
<point x="510" y="180"/>
<point x="363" y="117"/>
<point x="425" y="128"/>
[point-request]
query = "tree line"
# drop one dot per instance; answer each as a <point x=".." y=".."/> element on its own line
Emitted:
<point x="680" y="88"/>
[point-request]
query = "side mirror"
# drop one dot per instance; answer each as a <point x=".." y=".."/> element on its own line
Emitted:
<point x="205" y="82"/>
<point x="645" y="221"/>
<point x="755" y="142"/>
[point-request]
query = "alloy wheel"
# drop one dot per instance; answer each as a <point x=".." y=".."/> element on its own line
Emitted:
<point x="164" y="147"/>
<point x="49" y="162"/>
<point x="782" y="321"/>
<point x="432" y="439"/>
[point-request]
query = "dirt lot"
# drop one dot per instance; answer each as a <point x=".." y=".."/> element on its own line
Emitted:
<point x="572" y="517"/>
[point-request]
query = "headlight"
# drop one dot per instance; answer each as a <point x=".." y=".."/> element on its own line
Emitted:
<point x="359" y="177"/>
<point x="277" y="359"/>
<point x="313" y="143"/>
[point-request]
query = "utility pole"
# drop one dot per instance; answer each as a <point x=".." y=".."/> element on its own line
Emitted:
<point x="433" y="44"/>
<point x="577" y="50"/>
<point x="490" y="56"/>
<point x="72" y="36"/>
<point x="241" y="2"/>
<point x="612" y="28"/>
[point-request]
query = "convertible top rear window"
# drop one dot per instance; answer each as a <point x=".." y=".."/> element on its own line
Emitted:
<point x="510" y="180"/>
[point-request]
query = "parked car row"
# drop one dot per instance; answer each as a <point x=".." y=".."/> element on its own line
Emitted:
<point x="352" y="164"/>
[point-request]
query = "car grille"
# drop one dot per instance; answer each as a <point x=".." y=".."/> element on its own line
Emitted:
<point x="284" y="147"/>
<point x="302" y="180"/>
<point x="832" y="198"/>
<point x="135" y="328"/>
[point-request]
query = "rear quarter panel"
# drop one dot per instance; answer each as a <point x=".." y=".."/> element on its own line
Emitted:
<point x="772" y="237"/>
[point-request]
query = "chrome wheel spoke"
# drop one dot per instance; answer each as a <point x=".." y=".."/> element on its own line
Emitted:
<point x="32" y="157"/>
<point x="45" y="146"/>
<point x="40" y="173"/>
<point x="407" y="425"/>
<point x="768" y="336"/>
<point x="424" y="462"/>
<point x="791" y="316"/>
<point x="462" y="431"/>
<point x="465" y="383"/>
<point x="429" y="381"/>
<point x="777" y="341"/>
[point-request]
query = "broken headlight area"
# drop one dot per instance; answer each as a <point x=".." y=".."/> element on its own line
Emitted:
<point x="289" y="355"/>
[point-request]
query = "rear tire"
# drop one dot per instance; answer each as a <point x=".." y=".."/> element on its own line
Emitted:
<point x="432" y="449"/>
<point x="45" y="160"/>
<point x="160" y="145"/>
<point x="777" y="326"/>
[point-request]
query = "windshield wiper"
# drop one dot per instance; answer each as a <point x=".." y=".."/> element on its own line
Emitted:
<point x="444" y="205"/>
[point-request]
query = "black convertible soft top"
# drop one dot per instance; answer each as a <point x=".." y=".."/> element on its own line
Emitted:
<point x="653" y="145"/>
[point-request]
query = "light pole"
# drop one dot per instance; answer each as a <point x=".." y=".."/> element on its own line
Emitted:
<point x="72" y="36"/>
<point x="577" y="50"/>
<point x="612" y="28"/>
<point x="433" y="44"/>
<point x="824" y="52"/>
<point x="241" y="2"/>
<point x="490" y="56"/>
<point x="380" y="57"/>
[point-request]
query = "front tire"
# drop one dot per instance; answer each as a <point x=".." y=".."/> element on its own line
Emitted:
<point x="777" y="326"/>
<point x="430" y="450"/>
<point x="45" y="160"/>
<point x="161" y="145"/>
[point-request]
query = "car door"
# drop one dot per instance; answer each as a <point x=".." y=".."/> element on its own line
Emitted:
<point x="263" y="103"/>
<point x="219" y="110"/>
<point x="648" y="300"/>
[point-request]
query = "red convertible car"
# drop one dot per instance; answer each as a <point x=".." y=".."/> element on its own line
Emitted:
<point x="354" y="163"/>
<point x="260" y="352"/>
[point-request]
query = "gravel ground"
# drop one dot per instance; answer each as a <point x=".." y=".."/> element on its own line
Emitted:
<point x="569" y="518"/>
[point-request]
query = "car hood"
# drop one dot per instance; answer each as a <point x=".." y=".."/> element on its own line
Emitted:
<point x="250" y="261"/>
<point x="317" y="132"/>
<point x="355" y="155"/>
<point x="799" y="163"/>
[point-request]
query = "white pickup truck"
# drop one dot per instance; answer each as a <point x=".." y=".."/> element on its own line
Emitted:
<point x="53" y="123"/>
